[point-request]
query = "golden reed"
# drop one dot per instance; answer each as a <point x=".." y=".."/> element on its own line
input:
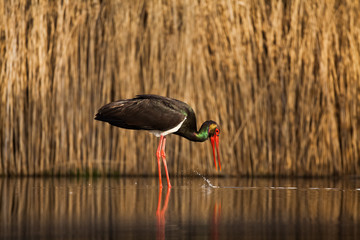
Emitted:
<point x="281" y="78"/>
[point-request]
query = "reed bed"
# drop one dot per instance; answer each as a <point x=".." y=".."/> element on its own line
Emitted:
<point x="281" y="78"/>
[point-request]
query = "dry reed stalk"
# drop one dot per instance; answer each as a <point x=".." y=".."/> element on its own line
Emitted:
<point x="281" y="78"/>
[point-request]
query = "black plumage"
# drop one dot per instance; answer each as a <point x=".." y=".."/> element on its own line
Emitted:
<point x="149" y="112"/>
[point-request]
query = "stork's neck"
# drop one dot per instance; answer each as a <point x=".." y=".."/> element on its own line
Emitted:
<point x="203" y="133"/>
<point x="196" y="136"/>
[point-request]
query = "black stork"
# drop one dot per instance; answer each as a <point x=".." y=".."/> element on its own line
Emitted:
<point x="161" y="116"/>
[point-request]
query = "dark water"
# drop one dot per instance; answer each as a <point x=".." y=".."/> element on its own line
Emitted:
<point x="135" y="208"/>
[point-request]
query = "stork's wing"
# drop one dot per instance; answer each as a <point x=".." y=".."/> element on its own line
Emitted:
<point x="137" y="113"/>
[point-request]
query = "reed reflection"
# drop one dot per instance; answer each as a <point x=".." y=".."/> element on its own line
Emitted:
<point x="133" y="208"/>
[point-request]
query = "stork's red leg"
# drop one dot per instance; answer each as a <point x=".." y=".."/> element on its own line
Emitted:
<point x="158" y="156"/>
<point x="164" y="161"/>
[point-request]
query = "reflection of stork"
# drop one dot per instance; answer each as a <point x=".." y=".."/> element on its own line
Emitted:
<point x="215" y="221"/>
<point x="161" y="116"/>
<point x="160" y="214"/>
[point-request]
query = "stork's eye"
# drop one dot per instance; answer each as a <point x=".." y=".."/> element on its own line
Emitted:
<point x="217" y="132"/>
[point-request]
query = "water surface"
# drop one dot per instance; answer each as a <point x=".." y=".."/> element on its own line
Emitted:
<point x="194" y="208"/>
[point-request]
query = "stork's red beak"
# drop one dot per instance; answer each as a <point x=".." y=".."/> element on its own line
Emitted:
<point x="215" y="140"/>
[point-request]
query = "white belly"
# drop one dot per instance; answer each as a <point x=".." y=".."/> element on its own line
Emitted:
<point x="158" y="133"/>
